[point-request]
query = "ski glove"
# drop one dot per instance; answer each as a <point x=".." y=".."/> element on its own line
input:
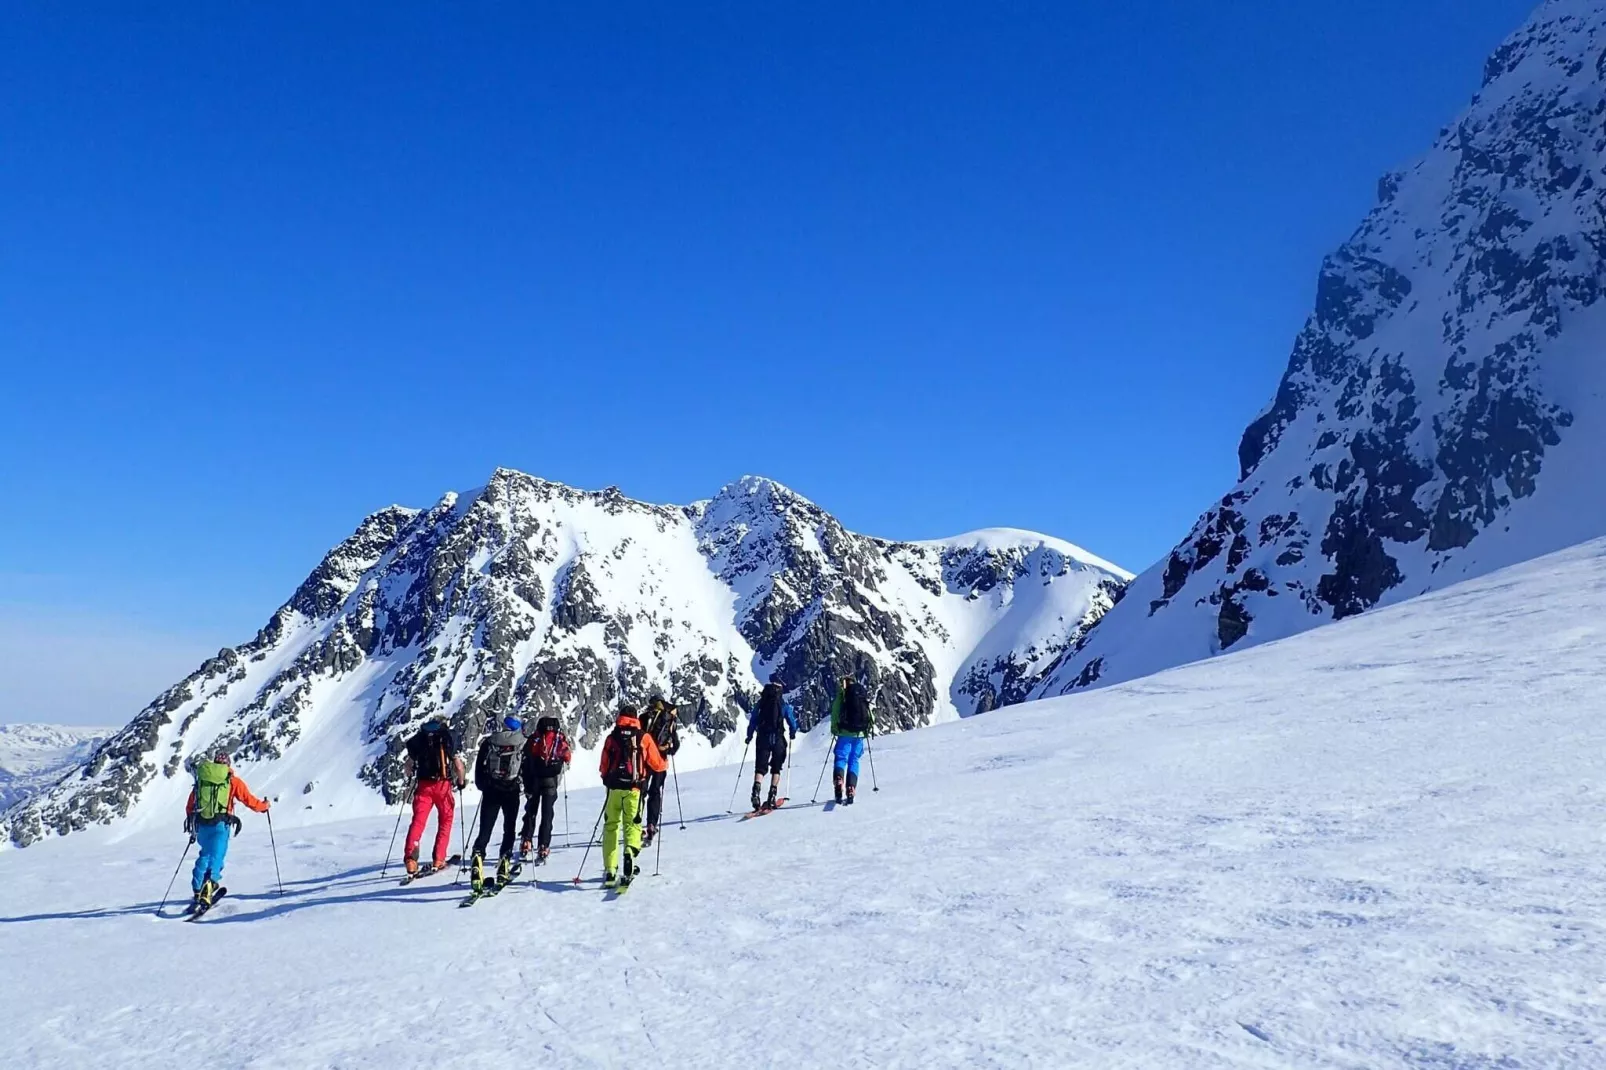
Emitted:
<point x="189" y="826"/>
<point x="233" y="823"/>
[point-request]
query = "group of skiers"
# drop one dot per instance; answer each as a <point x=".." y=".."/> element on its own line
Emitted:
<point x="634" y="765"/>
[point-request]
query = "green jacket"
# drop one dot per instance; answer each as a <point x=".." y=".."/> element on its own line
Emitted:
<point x="836" y="719"/>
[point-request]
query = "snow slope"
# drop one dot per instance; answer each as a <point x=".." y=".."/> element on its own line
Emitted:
<point x="1441" y="414"/>
<point x="1373" y="845"/>
<point x="34" y="756"/>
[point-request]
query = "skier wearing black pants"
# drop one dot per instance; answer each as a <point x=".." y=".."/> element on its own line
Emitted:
<point x="546" y="759"/>
<point x="774" y="723"/>
<point x="660" y="725"/>
<point x="496" y="774"/>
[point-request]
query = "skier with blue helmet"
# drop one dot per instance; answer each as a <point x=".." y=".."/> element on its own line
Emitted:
<point x="496" y="775"/>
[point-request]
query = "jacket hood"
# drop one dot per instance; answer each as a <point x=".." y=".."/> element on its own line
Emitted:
<point x="628" y="721"/>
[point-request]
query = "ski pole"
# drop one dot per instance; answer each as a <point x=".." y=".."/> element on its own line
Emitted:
<point x="275" y="846"/>
<point x="176" y="868"/>
<point x="821" y="778"/>
<point x="791" y="763"/>
<point x="462" y="858"/>
<point x="678" y="807"/>
<point x="568" y="837"/>
<point x="871" y="752"/>
<point x="730" y="809"/>
<point x="399" y="811"/>
<point x="658" y="862"/>
<point x="593" y="837"/>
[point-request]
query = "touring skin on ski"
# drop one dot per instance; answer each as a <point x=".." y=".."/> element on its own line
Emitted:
<point x="430" y="870"/>
<point x="765" y="809"/>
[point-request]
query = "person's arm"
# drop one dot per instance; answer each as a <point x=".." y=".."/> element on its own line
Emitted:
<point x="189" y="805"/>
<point x="752" y="716"/>
<point x="791" y="718"/>
<point x="869" y="720"/>
<point x="606" y="757"/>
<point x="836" y="712"/>
<point x="653" y="756"/>
<point x="239" y="791"/>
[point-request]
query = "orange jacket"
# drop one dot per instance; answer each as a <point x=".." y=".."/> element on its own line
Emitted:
<point x="237" y="790"/>
<point x="651" y="757"/>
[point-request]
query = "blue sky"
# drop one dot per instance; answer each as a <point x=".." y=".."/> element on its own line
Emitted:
<point x="937" y="266"/>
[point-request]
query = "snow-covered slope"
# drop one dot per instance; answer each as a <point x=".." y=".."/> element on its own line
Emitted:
<point x="1373" y="845"/>
<point x="534" y="597"/>
<point x="1441" y="414"/>
<point x="34" y="756"/>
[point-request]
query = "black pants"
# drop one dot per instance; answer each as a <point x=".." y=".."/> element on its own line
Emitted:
<point x="655" y="797"/>
<point x="504" y="801"/>
<point x="543" y="802"/>
<point x="770" y="756"/>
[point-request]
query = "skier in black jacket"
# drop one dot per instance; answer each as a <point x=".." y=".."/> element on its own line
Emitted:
<point x="496" y="774"/>
<point x="546" y="760"/>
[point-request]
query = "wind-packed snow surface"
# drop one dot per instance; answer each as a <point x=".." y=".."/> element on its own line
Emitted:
<point x="533" y="598"/>
<point x="1374" y="845"/>
<point x="1441" y="415"/>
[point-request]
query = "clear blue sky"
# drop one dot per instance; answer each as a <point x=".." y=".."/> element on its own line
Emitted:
<point x="938" y="266"/>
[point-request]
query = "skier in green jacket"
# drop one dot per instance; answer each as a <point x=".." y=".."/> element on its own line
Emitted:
<point x="851" y="723"/>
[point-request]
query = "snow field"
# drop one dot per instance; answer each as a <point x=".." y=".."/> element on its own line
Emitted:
<point x="1377" y="844"/>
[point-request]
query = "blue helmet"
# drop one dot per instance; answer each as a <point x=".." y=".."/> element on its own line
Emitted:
<point x="512" y="723"/>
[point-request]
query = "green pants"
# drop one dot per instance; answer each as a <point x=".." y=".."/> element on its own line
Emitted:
<point x="622" y="808"/>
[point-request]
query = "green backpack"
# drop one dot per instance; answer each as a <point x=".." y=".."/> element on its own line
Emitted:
<point x="212" y="790"/>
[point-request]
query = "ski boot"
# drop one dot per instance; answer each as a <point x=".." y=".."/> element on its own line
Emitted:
<point x="410" y="864"/>
<point x="769" y="804"/>
<point x="629" y="873"/>
<point x="853" y="786"/>
<point x="476" y="873"/>
<point x="524" y="850"/>
<point x="609" y="879"/>
<point x="504" y="870"/>
<point x="541" y="855"/>
<point x="836" y="782"/>
<point x="755" y="796"/>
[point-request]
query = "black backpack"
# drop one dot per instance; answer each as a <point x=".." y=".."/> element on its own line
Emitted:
<point x="431" y="750"/>
<point x="625" y="764"/>
<point x="855" y="715"/>
<point x="769" y="719"/>
<point x="660" y="725"/>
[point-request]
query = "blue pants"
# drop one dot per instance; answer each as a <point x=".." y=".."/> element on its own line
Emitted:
<point x="849" y="749"/>
<point x="213" y="840"/>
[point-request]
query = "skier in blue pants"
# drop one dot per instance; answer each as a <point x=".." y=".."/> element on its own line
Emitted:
<point x="209" y="819"/>
<point x="852" y="724"/>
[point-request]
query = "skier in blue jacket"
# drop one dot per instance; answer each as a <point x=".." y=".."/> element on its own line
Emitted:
<point x="773" y="723"/>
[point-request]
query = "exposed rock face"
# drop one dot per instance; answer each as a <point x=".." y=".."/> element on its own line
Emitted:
<point x="531" y="597"/>
<point x="1439" y="415"/>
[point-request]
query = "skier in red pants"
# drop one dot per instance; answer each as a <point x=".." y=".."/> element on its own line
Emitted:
<point x="433" y="757"/>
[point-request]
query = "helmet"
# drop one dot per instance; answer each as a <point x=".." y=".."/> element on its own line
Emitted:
<point x="512" y="723"/>
<point x="222" y="757"/>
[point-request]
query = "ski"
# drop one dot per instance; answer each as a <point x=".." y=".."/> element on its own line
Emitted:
<point x="200" y="912"/>
<point x="492" y="887"/>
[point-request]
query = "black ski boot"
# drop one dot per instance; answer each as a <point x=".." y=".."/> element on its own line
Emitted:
<point x="770" y="803"/>
<point x="836" y="782"/>
<point x="853" y="785"/>
<point x="755" y="796"/>
<point x="630" y="869"/>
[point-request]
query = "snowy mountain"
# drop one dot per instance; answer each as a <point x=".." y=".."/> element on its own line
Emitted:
<point x="1441" y="414"/>
<point x="1374" y="845"/>
<point x="532" y="597"/>
<point x="34" y="756"/>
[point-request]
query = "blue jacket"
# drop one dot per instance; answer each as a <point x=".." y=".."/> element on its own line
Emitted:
<point x="786" y="713"/>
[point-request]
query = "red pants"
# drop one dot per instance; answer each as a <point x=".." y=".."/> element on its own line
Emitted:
<point x="432" y="795"/>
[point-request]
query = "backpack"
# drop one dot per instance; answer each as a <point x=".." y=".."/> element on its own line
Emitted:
<point x="212" y="790"/>
<point x="625" y="764"/>
<point x="549" y="747"/>
<point x="855" y="715"/>
<point x="499" y="760"/>
<point x="430" y="750"/>
<point x="660" y="725"/>
<point x="769" y="719"/>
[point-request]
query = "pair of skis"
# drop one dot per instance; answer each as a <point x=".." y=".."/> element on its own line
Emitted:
<point x="197" y="911"/>
<point x="765" y="809"/>
<point x="490" y="889"/>
<point x="430" y="871"/>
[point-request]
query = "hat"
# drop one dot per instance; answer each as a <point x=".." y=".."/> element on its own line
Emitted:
<point x="221" y="756"/>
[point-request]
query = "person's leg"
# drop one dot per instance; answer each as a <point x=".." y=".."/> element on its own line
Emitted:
<point x="509" y="804"/>
<point x="422" y="804"/>
<point x="632" y="818"/>
<point x="445" y="810"/>
<point x="211" y="843"/>
<point x="839" y="763"/>
<point x="488" y="812"/>
<point x="549" y="807"/>
<point x="855" y="753"/>
<point x="655" y="799"/>
<point x="613" y="811"/>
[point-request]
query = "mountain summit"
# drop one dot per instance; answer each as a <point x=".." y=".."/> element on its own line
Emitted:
<point x="531" y="597"/>
<point x="1441" y="414"/>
